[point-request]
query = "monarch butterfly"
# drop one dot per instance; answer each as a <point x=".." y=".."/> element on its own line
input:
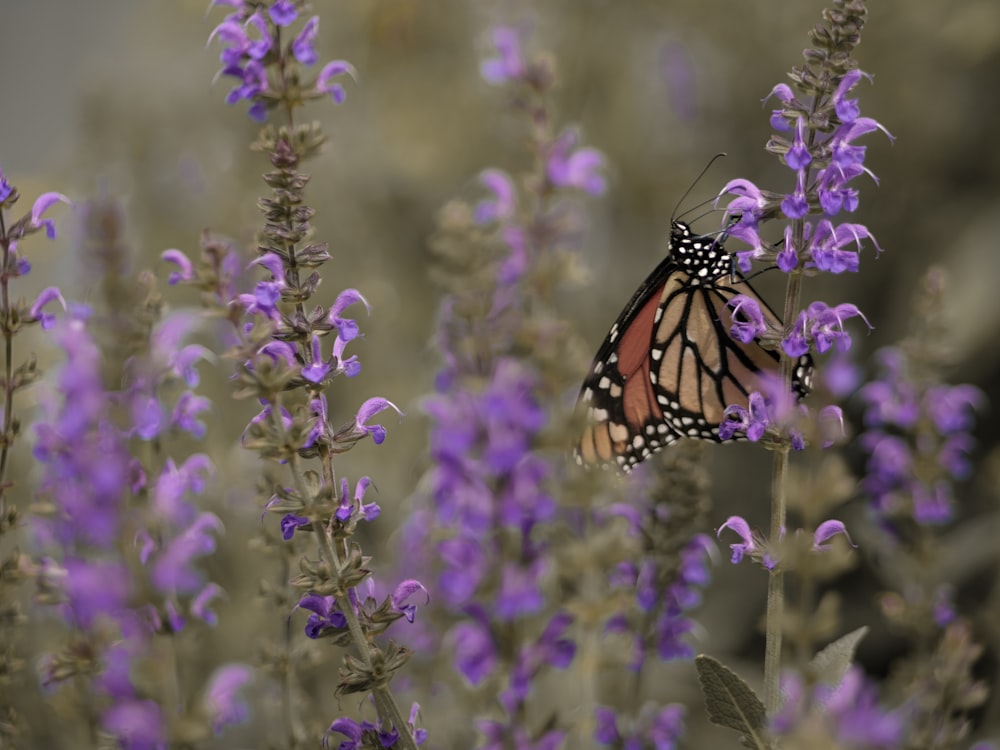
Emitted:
<point x="669" y="366"/>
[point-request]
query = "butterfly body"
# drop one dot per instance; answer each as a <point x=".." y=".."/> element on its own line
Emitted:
<point x="669" y="366"/>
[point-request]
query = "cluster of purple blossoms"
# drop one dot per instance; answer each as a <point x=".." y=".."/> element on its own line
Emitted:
<point x="251" y="40"/>
<point x="816" y="139"/>
<point x="290" y="349"/>
<point x="487" y="531"/>
<point x="918" y="439"/>
<point x="175" y="533"/>
<point x="664" y="592"/>
<point x="90" y="480"/>
<point x="817" y="133"/>
<point x="846" y="715"/>
<point x="655" y="728"/>
<point x="770" y="553"/>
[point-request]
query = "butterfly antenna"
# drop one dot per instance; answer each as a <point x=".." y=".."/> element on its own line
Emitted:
<point x="696" y="181"/>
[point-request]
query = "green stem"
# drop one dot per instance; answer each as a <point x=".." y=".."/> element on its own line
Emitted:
<point x="775" y="587"/>
<point x="779" y="495"/>
<point x="8" y="340"/>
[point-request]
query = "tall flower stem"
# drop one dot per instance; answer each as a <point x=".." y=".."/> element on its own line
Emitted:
<point x="779" y="505"/>
<point x="8" y="342"/>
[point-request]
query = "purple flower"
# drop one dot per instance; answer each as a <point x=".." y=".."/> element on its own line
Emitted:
<point x="752" y="422"/>
<point x="202" y="600"/>
<point x="223" y="700"/>
<point x="508" y="64"/>
<point x="325" y="615"/>
<point x="826" y="243"/>
<point x="826" y="531"/>
<point x="742" y="528"/>
<point x="48" y="295"/>
<point x="302" y="46"/>
<point x="317" y="369"/>
<point x="848" y="713"/>
<point x="290" y="523"/>
<point x="283" y="12"/>
<point x="325" y="83"/>
<point x="185" y="413"/>
<point x="185" y="269"/>
<point x="347" y="329"/>
<point x="751" y="324"/>
<point x="575" y="168"/>
<point x="796" y="205"/>
<point x="822" y="326"/>
<point x="504" y="201"/>
<point x="173" y="572"/>
<point x="606" y="731"/>
<point x="5" y="188"/>
<point x="42" y="204"/>
<point x="475" y="653"/>
<point x="520" y="594"/>
<point x="369" y="409"/>
<point x="401" y="595"/>
<point x="136" y="725"/>
<point x="951" y="407"/>
<point x="257" y="49"/>
<point x="847" y="109"/>
<point x="95" y="589"/>
<point x="749" y="203"/>
<point x="798" y="156"/>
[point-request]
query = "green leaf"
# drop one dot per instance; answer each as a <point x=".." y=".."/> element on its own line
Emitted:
<point x="730" y="701"/>
<point x="831" y="664"/>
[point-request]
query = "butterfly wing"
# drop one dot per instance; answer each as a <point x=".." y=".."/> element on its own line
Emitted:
<point x="624" y="422"/>
<point x="699" y="368"/>
<point x="669" y="366"/>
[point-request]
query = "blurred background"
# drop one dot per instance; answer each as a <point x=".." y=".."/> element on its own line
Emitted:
<point x="116" y="99"/>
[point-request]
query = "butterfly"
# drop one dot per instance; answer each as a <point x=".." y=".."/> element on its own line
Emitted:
<point x="669" y="366"/>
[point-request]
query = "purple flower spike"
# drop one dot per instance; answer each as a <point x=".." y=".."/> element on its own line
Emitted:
<point x="742" y="529"/>
<point x="47" y="320"/>
<point x="325" y="83"/>
<point x="42" y="204"/>
<point x="508" y="64"/>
